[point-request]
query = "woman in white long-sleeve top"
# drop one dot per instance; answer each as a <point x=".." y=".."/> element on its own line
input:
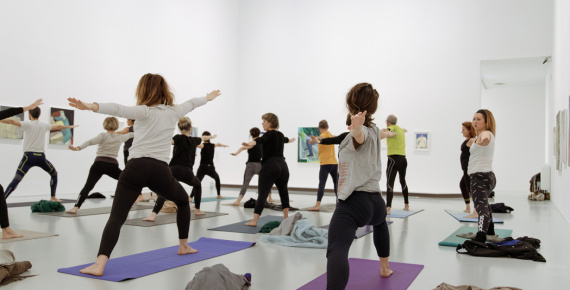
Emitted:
<point x="156" y="116"/>
<point x="106" y="161"/>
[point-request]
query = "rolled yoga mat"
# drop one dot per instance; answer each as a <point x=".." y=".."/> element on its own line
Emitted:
<point x="240" y="227"/>
<point x="164" y="219"/>
<point x="400" y="213"/>
<point x="28" y="235"/>
<point x="361" y="231"/>
<point x="93" y="211"/>
<point x="453" y="240"/>
<point x="208" y="199"/>
<point x="327" y="207"/>
<point x="365" y="274"/>
<point x="460" y="217"/>
<point x="139" y="265"/>
<point x="30" y="203"/>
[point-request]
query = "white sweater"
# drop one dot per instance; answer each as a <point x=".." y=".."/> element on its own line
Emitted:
<point x="109" y="143"/>
<point x="154" y="126"/>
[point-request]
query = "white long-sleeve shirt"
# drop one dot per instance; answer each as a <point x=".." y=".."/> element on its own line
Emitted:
<point x="109" y="143"/>
<point x="154" y="126"/>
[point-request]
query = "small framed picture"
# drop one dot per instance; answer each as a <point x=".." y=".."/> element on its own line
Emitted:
<point x="422" y="141"/>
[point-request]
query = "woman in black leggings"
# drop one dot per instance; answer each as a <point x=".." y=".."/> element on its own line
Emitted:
<point x="156" y="115"/>
<point x="469" y="133"/>
<point x="274" y="169"/>
<point x="359" y="199"/>
<point x="207" y="162"/>
<point x="181" y="165"/>
<point x="7" y="232"/>
<point x="106" y="161"/>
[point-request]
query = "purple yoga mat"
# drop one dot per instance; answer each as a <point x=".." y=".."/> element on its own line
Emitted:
<point x="361" y="231"/>
<point x="365" y="274"/>
<point x="139" y="265"/>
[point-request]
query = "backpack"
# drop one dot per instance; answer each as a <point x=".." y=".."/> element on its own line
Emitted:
<point x="501" y="208"/>
<point x="250" y="203"/>
<point x="521" y="248"/>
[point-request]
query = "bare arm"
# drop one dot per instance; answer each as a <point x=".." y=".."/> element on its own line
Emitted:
<point x="207" y="138"/>
<point x="315" y="140"/>
<point x="11" y="122"/>
<point x="220" y="145"/>
<point x="61" y="127"/>
<point x="485" y="138"/>
<point x="250" y="143"/>
<point x="385" y="133"/>
<point x="292" y="140"/>
<point x="33" y="105"/>
<point x="356" y="129"/>
<point x="241" y="149"/>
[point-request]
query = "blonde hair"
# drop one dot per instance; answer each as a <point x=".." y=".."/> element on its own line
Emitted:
<point x="111" y="124"/>
<point x="153" y="90"/>
<point x="184" y="124"/>
<point x="272" y="119"/>
<point x="489" y="120"/>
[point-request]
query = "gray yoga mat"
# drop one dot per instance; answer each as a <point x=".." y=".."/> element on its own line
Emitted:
<point x="28" y="235"/>
<point x="30" y="203"/>
<point x="240" y="227"/>
<point x="93" y="211"/>
<point x="164" y="219"/>
<point x="327" y="207"/>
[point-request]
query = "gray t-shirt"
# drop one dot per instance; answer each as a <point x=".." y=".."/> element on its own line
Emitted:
<point x="360" y="169"/>
<point x="154" y="125"/>
<point x="35" y="135"/>
<point x="109" y="143"/>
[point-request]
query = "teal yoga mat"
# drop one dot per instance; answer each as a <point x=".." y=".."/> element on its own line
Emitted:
<point x="460" y="217"/>
<point x="215" y="198"/>
<point x="453" y="240"/>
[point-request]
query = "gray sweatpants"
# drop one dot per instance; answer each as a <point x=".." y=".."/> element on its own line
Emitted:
<point x="251" y="169"/>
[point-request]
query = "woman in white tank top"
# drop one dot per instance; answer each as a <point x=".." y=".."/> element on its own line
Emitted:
<point x="480" y="170"/>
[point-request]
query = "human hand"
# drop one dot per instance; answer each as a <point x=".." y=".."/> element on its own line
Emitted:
<point x="356" y="121"/>
<point x="80" y="105"/>
<point x="212" y="95"/>
<point x="74" y="148"/>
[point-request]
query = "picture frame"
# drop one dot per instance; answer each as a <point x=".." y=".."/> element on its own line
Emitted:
<point x="9" y="131"/>
<point x="422" y="141"/>
<point x="59" y="116"/>
<point x="307" y="153"/>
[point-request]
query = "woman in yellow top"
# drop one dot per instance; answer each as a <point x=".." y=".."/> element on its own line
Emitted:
<point x="329" y="165"/>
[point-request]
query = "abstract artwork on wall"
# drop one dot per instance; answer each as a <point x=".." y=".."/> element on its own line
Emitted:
<point x="9" y="131"/>
<point x="422" y="141"/>
<point x="64" y="117"/>
<point x="308" y="153"/>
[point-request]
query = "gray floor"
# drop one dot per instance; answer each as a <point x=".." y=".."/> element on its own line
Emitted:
<point x="413" y="240"/>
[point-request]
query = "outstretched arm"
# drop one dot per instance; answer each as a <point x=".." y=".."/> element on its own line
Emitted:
<point x="485" y="138"/>
<point x="220" y="145"/>
<point x="61" y="127"/>
<point x="241" y="149"/>
<point x="194" y="103"/>
<point x="130" y="112"/>
<point x="250" y="143"/>
<point x="385" y="133"/>
<point x="206" y="138"/>
<point x="15" y="111"/>
<point x="356" y="128"/>
<point x="33" y="105"/>
<point x="291" y="140"/>
<point x="11" y="122"/>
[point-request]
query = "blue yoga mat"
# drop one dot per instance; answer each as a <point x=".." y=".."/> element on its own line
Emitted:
<point x="361" y="231"/>
<point x="460" y="217"/>
<point x="139" y="265"/>
<point x="400" y="213"/>
<point x="240" y="227"/>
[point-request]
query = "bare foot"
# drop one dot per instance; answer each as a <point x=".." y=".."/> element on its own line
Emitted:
<point x="73" y="210"/>
<point x="150" y="218"/>
<point x="406" y="207"/>
<point x="269" y="199"/>
<point x="199" y="212"/>
<point x="220" y="197"/>
<point x="190" y="199"/>
<point x="467" y="209"/>
<point x="8" y="233"/>
<point x="235" y="203"/>
<point x="474" y="215"/>
<point x="186" y="249"/>
<point x="388" y="210"/>
<point x="314" y="208"/>
<point x="252" y="223"/>
<point x="95" y="270"/>
<point x="385" y="273"/>
<point x="53" y="198"/>
<point x="139" y="199"/>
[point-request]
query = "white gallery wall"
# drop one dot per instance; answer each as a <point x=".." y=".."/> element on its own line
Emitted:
<point x="97" y="51"/>
<point x="558" y="99"/>
<point x="298" y="59"/>
<point x="293" y="58"/>
<point x="519" y="148"/>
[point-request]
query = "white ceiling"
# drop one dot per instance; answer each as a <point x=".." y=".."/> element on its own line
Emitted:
<point x="518" y="72"/>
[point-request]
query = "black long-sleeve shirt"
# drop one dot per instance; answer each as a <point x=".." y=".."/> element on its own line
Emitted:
<point x="334" y="140"/>
<point x="10" y="112"/>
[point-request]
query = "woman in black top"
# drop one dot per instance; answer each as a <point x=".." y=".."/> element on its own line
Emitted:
<point x="129" y="129"/>
<point x="274" y="169"/>
<point x="253" y="164"/>
<point x="469" y="133"/>
<point x="207" y="162"/>
<point x="7" y="232"/>
<point x="181" y="164"/>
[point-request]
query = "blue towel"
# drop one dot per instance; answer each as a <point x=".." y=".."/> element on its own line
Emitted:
<point x="304" y="235"/>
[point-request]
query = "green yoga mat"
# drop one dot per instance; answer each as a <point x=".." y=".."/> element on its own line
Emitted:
<point x="215" y="198"/>
<point x="453" y="240"/>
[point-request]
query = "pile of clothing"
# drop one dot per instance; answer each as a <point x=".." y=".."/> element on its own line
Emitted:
<point x="10" y="270"/>
<point x="294" y="231"/>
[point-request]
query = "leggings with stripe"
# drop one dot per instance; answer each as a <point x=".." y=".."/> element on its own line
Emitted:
<point x="138" y="174"/>
<point x="358" y="210"/>
<point x="30" y="160"/>
<point x="482" y="184"/>
<point x="98" y="169"/>
<point x="465" y="185"/>
<point x="397" y="164"/>
<point x="183" y="174"/>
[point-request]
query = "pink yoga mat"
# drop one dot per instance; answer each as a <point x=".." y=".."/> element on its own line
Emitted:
<point x="365" y="274"/>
